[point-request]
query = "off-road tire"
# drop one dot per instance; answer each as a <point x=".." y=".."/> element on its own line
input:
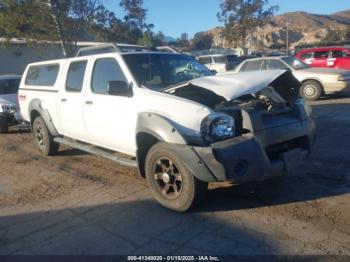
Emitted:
<point x="311" y="90"/>
<point x="43" y="139"/>
<point x="4" y="127"/>
<point x="192" y="189"/>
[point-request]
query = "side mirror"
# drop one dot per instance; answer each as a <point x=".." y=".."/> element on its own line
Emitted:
<point x="214" y="72"/>
<point x="119" y="88"/>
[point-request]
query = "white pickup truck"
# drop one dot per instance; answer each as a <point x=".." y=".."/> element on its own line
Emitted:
<point x="169" y="116"/>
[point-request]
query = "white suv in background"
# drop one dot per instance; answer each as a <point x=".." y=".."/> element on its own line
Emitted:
<point x="9" y="110"/>
<point x="170" y="117"/>
<point x="218" y="63"/>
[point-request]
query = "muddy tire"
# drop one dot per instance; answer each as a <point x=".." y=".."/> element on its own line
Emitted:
<point x="311" y="90"/>
<point x="43" y="139"/>
<point x="4" y="127"/>
<point x="171" y="183"/>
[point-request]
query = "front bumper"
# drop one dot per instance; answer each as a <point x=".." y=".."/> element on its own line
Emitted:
<point x="339" y="86"/>
<point x="255" y="157"/>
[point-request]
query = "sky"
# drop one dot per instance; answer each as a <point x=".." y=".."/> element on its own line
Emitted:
<point x="174" y="17"/>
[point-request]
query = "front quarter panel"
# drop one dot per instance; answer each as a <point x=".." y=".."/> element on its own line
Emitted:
<point x="171" y="118"/>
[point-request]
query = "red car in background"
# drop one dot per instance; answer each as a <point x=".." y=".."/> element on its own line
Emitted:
<point x="331" y="57"/>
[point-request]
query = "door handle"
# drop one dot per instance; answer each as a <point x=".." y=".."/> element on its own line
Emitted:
<point x="64" y="100"/>
<point x="88" y="102"/>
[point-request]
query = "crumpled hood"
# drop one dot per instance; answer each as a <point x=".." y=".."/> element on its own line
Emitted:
<point x="234" y="85"/>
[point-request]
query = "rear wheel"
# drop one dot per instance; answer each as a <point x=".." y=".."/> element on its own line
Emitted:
<point x="171" y="183"/>
<point x="4" y="127"/>
<point x="311" y="90"/>
<point x="43" y="139"/>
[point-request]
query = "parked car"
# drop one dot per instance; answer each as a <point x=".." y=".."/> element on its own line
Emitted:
<point x="9" y="110"/>
<point x="169" y="116"/>
<point x="331" y="57"/>
<point x="315" y="81"/>
<point x="235" y="61"/>
<point x="219" y="63"/>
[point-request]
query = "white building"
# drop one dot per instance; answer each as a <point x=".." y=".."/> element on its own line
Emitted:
<point x="17" y="53"/>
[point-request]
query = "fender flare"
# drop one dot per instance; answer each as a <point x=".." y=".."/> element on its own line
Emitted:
<point x="160" y="127"/>
<point x="35" y="105"/>
<point x="157" y="128"/>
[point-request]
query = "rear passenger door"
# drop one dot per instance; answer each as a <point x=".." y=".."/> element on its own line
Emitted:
<point x="320" y="59"/>
<point x="71" y="101"/>
<point x="110" y="119"/>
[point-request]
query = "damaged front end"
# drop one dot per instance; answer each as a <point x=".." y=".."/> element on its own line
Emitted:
<point x="264" y="129"/>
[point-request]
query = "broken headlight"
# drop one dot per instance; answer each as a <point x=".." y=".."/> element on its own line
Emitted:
<point x="217" y="126"/>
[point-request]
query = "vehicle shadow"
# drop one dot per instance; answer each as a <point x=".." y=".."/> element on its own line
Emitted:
<point x="71" y="152"/>
<point x="13" y="130"/>
<point x="335" y="96"/>
<point x="139" y="227"/>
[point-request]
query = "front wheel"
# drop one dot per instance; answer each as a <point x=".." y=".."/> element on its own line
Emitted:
<point x="4" y="127"/>
<point x="43" y="139"/>
<point x="171" y="183"/>
<point x="311" y="90"/>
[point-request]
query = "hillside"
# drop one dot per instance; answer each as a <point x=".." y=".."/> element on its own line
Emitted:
<point x="303" y="28"/>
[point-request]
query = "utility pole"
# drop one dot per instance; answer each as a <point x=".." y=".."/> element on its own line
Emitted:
<point x="287" y="42"/>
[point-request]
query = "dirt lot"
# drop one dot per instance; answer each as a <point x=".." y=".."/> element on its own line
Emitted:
<point x="76" y="203"/>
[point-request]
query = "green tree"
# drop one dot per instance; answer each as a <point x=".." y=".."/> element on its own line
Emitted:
<point x="135" y="13"/>
<point x="23" y="19"/>
<point x="183" y="41"/>
<point x="68" y="21"/>
<point x="202" y="40"/>
<point x="65" y="21"/>
<point x="72" y="19"/>
<point x="151" y="39"/>
<point x="243" y="17"/>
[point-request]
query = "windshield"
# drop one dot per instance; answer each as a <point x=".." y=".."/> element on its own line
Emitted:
<point x="9" y="86"/>
<point x="295" y="63"/>
<point x="160" y="71"/>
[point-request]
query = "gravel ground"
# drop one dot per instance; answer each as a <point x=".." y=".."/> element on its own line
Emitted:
<point x="76" y="203"/>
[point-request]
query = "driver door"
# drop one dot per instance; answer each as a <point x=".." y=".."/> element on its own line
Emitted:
<point x="110" y="120"/>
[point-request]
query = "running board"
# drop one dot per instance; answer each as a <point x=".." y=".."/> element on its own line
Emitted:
<point x="96" y="151"/>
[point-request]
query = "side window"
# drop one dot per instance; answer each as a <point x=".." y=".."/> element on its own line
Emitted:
<point x="205" y="60"/>
<point x="274" y="64"/>
<point x="9" y="86"/>
<point x="307" y="55"/>
<point x="321" y="54"/>
<point x="105" y="70"/>
<point x="75" y="76"/>
<point x="220" y="59"/>
<point x="252" y="66"/>
<point x="339" y="54"/>
<point x="43" y="75"/>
